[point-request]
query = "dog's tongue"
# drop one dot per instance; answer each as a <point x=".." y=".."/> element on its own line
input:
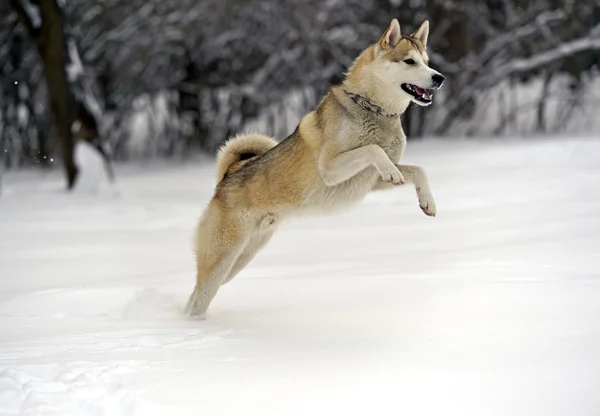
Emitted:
<point x="419" y="91"/>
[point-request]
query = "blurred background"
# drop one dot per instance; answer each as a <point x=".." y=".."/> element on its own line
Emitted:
<point x="489" y="309"/>
<point x="147" y="79"/>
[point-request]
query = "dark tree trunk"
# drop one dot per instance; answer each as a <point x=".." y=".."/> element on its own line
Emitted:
<point x="541" y="109"/>
<point x="47" y="30"/>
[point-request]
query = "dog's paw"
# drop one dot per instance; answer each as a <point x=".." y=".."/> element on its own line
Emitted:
<point x="392" y="175"/>
<point x="192" y="308"/>
<point x="194" y="312"/>
<point x="427" y="204"/>
<point x="200" y="316"/>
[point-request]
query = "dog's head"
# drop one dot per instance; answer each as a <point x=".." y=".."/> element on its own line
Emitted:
<point x="395" y="70"/>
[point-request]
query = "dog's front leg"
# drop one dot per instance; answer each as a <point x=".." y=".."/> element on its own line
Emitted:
<point x="342" y="166"/>
<point x="417" y="176"/>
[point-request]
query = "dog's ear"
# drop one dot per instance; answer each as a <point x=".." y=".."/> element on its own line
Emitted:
<point x="392" y="35"/>
<point x="422" y="33"/>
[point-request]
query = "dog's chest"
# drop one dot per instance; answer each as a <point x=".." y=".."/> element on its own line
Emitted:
<point x="392" y="141"/>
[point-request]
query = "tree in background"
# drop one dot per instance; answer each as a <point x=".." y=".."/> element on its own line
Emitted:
<point x="76" y="111"/>
<point x="484" y="44"/>
<point x="182" y="74"/>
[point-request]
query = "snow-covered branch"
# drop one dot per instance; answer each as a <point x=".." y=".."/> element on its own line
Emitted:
<point x="33" y="13"/>
<point x="516" y="65"/>
<point x="500" y="42"/>
<point x="561" y="51"/>
<point x="28" y="13"/>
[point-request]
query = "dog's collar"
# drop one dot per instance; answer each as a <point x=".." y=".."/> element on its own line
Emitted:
<point x="368" y="105"/>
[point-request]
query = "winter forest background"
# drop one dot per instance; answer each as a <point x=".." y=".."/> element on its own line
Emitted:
<point x="143" y="79"/>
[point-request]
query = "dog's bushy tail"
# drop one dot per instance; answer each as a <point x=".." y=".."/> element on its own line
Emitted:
<point x="239" y="150"/>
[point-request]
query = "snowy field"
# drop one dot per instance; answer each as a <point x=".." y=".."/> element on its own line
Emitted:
<point x="491" y="308"/>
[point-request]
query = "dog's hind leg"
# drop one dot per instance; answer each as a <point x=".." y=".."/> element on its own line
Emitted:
<point x="259" y="239"/>
<point x="221" y="239"/>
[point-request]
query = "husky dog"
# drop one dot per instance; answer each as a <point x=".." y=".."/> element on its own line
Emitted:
<point x="348" y="146"/>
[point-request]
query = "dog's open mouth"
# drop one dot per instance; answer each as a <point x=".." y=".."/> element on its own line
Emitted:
<point x="421" y="94"/>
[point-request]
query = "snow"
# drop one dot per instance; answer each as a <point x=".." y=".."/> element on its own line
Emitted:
<point x="75" y="75"/>
<point x="491" y="308"/>
<point x="148" y="124"/>
<point x="281" y="118"/>
<point x="92" y="176"/>
<point x="33" y="13"/>
<point x="513" y="108"/>
<point x="74" y="67"/>
<point x="23" y="115"/>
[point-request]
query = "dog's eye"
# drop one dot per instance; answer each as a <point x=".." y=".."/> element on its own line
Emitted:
<point x="409" y="61"/>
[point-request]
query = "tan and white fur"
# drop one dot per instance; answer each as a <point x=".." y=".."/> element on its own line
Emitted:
<point x="349" y="145"/>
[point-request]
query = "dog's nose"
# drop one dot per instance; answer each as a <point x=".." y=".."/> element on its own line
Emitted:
<point x="438" y="80"/>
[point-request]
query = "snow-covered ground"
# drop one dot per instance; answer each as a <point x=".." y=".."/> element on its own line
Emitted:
<point x="491" y="308"/>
